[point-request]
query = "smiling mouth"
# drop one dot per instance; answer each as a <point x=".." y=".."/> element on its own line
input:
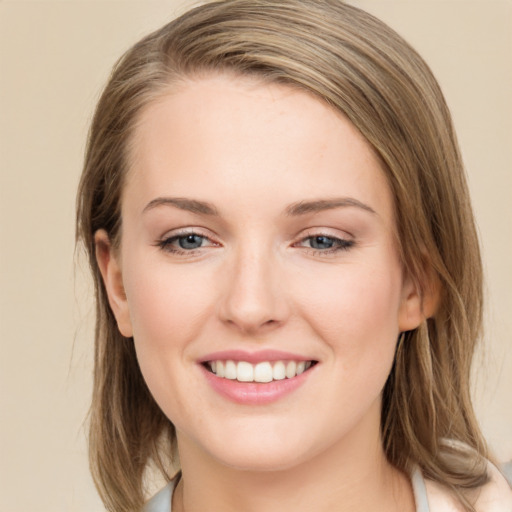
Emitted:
<point x="262" y="372"/>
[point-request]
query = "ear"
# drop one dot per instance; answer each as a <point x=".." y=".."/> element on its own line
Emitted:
<point x="419" y="301"/>
<point x="109" y="265"/>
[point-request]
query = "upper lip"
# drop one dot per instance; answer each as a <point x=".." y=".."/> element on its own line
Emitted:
<point x="254" y="357"/>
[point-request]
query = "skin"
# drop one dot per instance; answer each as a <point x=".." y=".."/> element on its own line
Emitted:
<point x="253" y="151"/>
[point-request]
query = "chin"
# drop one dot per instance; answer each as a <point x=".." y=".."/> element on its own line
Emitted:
<point x="260" y="450"/>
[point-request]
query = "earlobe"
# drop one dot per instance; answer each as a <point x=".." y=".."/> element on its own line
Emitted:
<point x="418" y="304"/>
<point x="110" y="269"/>
<point x="431" y="296"/>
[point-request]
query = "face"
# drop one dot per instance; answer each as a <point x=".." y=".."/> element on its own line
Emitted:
<point x="258" y="273"/>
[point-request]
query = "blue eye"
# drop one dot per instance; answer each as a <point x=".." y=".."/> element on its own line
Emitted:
<point x="190" y="242"/>
<point x="184" y="243"/>
<point x="322" y="242"/>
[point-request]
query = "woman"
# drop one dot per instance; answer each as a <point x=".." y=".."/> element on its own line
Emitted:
<point x="288" y="279"/>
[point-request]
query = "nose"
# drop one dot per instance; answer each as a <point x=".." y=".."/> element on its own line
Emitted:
<point x="253" y="300"/>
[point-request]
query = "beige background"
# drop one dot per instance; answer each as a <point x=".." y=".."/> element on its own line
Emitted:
<point x="54" y="58"/>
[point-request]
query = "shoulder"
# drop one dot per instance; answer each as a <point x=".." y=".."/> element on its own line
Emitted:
<point x="495" y="496"/>
<point x="161" y="501"/>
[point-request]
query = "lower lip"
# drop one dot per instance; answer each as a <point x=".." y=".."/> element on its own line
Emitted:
<point x="255" y="393"/>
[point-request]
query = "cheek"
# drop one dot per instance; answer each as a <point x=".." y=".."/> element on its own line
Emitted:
<point x="355" y="313"/>
<point x="169" y="307"/>
<point x="167" y="302"/>
<point x="353" y="302"/>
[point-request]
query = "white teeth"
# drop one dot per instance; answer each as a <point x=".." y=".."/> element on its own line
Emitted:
<point x="230" y="370"/>
<point x="279" y="371"/>
<point x="291" y="369"/>
<point x="262" y="372"/>
<point x="245" y="372"/>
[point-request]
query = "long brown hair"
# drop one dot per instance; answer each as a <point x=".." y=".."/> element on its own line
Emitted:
<point x="362" y="68"/>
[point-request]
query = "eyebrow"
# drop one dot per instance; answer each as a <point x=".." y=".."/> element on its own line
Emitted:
<point x="190" y="205"/>
<point x="305" y="207"/>
<point x="295" y="209"/>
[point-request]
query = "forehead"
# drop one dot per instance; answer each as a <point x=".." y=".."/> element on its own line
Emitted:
<point x="238" y="137"/>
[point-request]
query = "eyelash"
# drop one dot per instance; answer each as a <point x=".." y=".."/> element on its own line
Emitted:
<point x="166" y="243"/>
<point x="339" y="244"/>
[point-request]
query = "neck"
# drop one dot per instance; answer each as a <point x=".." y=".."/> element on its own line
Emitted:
<point x="353" y="475"/>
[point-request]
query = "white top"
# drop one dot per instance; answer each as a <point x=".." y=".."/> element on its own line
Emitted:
<point x="495" y="496"/>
